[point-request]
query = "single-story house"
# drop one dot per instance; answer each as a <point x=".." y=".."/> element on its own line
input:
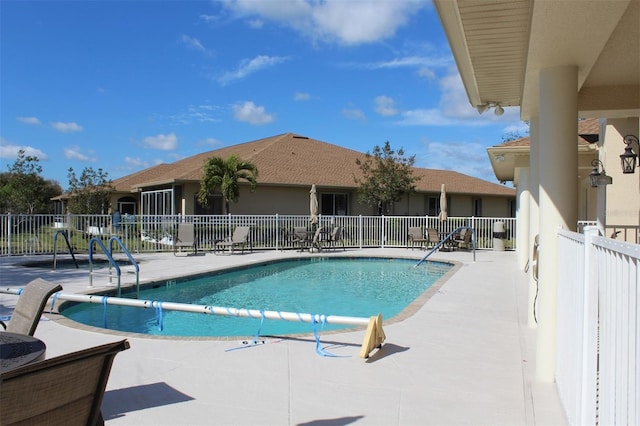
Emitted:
<point x="288" y="164"/>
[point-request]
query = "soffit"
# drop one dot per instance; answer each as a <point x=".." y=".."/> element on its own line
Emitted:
<point x="501" y="46"/>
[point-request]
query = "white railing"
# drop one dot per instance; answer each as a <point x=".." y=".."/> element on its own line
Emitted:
<point x="598" y="364"/>
<point x="34" y="234"/>
<point x="627" y="233"/>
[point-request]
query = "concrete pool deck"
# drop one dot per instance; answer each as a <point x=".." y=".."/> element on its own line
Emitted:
<point x="466" y="357"/>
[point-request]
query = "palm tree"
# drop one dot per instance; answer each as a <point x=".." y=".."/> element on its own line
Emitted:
<point x="223" y="175"/>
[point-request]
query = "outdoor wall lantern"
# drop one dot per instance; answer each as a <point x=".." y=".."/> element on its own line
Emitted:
<point x="597" y="177"/>
<point x="629" y="158"/>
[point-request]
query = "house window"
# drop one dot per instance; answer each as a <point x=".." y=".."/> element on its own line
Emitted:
<point x="433" y="206"/>
<point x="158" y="202"/>
<point x="477" y="207"/>
<point x="334" y="204"/>
<point x="214" y="204"/>
<point x="127" y="205"/>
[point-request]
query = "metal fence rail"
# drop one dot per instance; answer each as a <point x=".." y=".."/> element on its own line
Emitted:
<point x="34" y="234"/>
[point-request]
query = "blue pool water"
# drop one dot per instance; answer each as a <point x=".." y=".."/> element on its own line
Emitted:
<point x="360" y="287"/>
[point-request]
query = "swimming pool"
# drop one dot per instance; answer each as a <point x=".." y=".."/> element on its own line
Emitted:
<point x="359" y="287"/>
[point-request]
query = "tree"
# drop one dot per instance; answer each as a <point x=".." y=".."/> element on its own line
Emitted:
<point x="23" y="190"/>
<point x="223" y="175"/>
<point x="386" y="177"/>
<point x="91" y="193"/>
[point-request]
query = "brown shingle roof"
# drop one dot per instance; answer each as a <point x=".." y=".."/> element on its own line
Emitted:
<point x="293" y="160"/>
<point x="588" y="131"/>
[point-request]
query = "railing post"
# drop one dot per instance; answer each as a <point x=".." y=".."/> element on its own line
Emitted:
<point x="9" y="227"/>
<point x="589" y="332"/>
<point x="383" y="231"/>
<point x="277" y="229"/>
<point x="360" y="231"/>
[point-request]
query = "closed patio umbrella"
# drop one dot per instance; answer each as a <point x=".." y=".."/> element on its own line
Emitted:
<point x="313" y="205"/>
<point x="443" y="205"/>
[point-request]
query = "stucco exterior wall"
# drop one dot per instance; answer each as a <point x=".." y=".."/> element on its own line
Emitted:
<point x="623" y="202"/>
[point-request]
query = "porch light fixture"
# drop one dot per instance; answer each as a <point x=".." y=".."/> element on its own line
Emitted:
<point x="629" y="158"/>
<point x="597" y="177"/>
<point x="498" y="109"/>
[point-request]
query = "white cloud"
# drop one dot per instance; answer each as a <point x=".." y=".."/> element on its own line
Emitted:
<point x="354" y="114"/>
<point x="385" y="106"/>
<point x="345" y="22"/>
<point x="446" y="156"/>
<point x="250" y="66"/>
<point x="66" y="127"/>
<point x="427" y="73"/>
<point x="134" y="162"/>
<point x="193" y="43"/>
<point x="454" y="108"/>
<point x="74" y="153"/>
<point x="420" y="62"/>
<point x="34" y="121"/>
<point x="9" y="150"/>
<point x="424" y="117"/>
<point x="251" y="113"/>
<point x="210" y="142"/>
<point x="161" y="142"/>
<point x="301" y="96"/>
<point x="209" y="18"/>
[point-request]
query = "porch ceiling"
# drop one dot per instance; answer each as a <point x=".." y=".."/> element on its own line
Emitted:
<point x="500" y="46"/>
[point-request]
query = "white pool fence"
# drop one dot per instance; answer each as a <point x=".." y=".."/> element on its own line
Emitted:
<point x="34" y="234"/>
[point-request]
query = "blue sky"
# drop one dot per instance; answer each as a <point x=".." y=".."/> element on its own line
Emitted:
<point x="125" y="85"/>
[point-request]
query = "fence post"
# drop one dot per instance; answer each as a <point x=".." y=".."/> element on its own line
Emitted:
<point x="383" y="231"/>
<point x="9" y="227"/>
<point x="277" y="229"/>
<point x="589" y="332"/>
<point x="360" y="231"/>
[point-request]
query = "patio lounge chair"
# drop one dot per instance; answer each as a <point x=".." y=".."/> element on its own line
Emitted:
<point x="463" y="240"/>
<point x="416" y="237"/>
<point x="240" y="238"/>
<point x="317" y="239"/>
<point x="186" y="237"/>
<point x="64" y="390"/>
<point x="26" y="315"/>
<point x="336" y="237"/>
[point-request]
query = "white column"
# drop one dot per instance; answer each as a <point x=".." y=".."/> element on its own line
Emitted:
<point x="558" y="198"/>
<point x="522" y="216"/>
<point x="534" y="219"/>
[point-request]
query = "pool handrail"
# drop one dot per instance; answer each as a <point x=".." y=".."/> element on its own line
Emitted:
<point x="444" y="240"/>
<point x="129" y="256"/>
<point x="112" y="262"/>
<point x="373" y="338"/>
<point x="55" y="247"/>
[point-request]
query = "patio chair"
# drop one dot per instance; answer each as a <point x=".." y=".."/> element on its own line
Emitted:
<point x="240" y="238"/>
<point x="336" y="237"/>
<point x="29" y="307"/>
<point x="433" y="238"/>
<point x="415" y="236"/>
<point x="463" y="240"/>
<point x="186" y="237"/>
<point x="67" y="389"/>
<point x="317" y="239"/>
<point x="300" y="237"/>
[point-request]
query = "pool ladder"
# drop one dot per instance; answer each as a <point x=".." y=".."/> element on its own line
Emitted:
<point x="444" y="240"/>
<point x="65" y="234"/>
<point x="112" y="263"/>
